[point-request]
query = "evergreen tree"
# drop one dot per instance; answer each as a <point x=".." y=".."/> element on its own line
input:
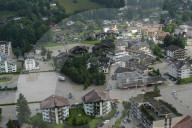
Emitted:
<point x="22" y="108"/>
<point x="10" y="124"/>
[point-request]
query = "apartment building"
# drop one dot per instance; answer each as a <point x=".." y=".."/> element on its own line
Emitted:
<point x="152" y="112"/>
<point x="5" y="47"/>
<point x="175" y="53"/>
<point x="96" y="103"/>
<point x="116" y="55"/>
<point x="30" y="63"/>
<point x="180" y="69"/>
<point x="7" y="64"/>
<point x="55" y="109"/>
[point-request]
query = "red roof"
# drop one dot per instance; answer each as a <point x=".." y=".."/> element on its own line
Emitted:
<point x="184" y="123"/>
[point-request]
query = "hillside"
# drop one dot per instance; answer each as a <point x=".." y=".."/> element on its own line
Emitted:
<point x="71" y="6"/>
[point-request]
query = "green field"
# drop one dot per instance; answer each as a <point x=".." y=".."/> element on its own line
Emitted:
<point x="82" y="118"/>
<point x="70" y="6"/>
<point x="53" y="44"/>
<point x="91" y="42"/>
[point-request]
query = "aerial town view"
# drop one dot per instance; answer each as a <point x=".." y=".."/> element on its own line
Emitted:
<point x="95" y="63"/>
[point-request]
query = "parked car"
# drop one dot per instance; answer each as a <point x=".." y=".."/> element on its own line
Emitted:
<point x="106" y="121"/>
<point x="116" y="114"/>
<point x="116" y="100"/>
<point x="129" y="120"/>
<point x="101" y="125"/>
<point x="124" y="121"/>
<point x="122" y="126"/>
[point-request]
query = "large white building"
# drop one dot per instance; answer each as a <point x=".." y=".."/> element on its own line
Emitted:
<point x="55" y="109"/>
<point x="175" y="53"/>
<point x="180" y="69"/>
<point x="96" y="104"/>
<point x="7" y="64"/>
<point x="117" y="54"/>
<point x="30" y="63"/>
<point x="5" y="47"/>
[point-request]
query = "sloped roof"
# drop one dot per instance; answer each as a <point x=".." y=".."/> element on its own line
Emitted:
<point x="180" y="64"/>
<point x="54" y="101"/>
<point x="185" y="122"/>
<point x="121" y="70"/>
<point x="94" y="96"/>
<point x="173" y="48"/>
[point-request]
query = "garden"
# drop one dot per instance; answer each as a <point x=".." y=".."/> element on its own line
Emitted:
<point x="5" y="78"/>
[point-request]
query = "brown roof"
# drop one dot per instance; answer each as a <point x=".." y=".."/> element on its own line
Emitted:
<point x="94" y="96"/>
<point x="54" y="101"/>
<point x="184" y="123"/>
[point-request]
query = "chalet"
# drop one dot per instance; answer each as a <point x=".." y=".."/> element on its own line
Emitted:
<point x="78" y="50"/>
<point x="161" y="36"/>
<point x="121" y="45"/>
<point x="100" y="47"/>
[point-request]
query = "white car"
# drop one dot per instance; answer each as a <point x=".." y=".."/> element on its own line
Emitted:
<point x="106" y="121"/>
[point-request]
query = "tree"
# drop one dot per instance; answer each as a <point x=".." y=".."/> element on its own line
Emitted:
<point x="74" y="121"/>
<point x="43" y="51"/>
<point x="23" y="110"/>
<point x="16" y="52"/>
<point x="48" y="55"/>
<point x="10" y="124"/>
<point x="156" y="89"/>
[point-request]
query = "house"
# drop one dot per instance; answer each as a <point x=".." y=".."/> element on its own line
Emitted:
<point x="180" y="69"/>
<point x="161" y="36"/>
<point x="116" y="55"/>
<point x="100" y="47"/>
<point x="175" y="53"/>
<point x="144" y="70"/>
<point x="133" y="30"/>
<point x="5" y="47"/>
<point x="141" y="46"/>
<point x="53" y="4"/>
<point x="184" y="123"/>
<point x="96" y="103"/>
<point x="120" y="70"/>
<point x="69" y="23"/>
<point x="55" y="109"/>
<point x="146" y="59"/>
<point x="7" y="64"/>
<point x="78" y="50"/>
<point x="152" y="33"/>
<point x="159" y="26"/>
<point x="129" y="79"/>
<point x="144" y="30"/>
<point x="129" y="62"/>
<point x="103" y="63"/>
<point x="152" y="111"/>
<point x="30" y="63"/>
<point x="121" y="45"/>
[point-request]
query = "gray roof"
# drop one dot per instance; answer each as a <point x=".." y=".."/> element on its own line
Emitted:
<point x="122" y="70"/>
<point x="126" y="75"/>
<point x="173" y="48"/>
<point x="180" y="64"/>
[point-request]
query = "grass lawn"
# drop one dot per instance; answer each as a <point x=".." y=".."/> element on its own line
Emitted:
<point x="53" y="44"/>
<point x="6" y="80"/>
<point x="91" y="42"/>
<point x="184" y="81"/>
<point x="70" y="6"/>
<point x="74" y="114"/>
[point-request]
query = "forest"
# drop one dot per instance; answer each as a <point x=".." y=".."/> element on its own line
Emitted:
<point x="25" y="32"/>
